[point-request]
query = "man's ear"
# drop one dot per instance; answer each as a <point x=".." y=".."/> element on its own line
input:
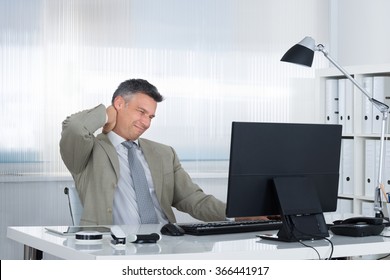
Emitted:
<point x="119" y="103"/>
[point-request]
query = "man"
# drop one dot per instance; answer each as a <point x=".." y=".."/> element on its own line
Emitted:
<point x="100" y="164"/>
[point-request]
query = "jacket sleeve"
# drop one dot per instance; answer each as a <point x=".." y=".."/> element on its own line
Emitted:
<point x="77" y="137"/>
<point x="190" y="198"/>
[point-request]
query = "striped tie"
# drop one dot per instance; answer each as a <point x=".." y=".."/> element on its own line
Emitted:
<point x="144" y="200"/>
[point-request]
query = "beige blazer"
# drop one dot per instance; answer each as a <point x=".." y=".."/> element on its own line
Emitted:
<point x="94" y="165"/>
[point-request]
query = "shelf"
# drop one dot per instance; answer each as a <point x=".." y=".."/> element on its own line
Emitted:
<point x="361" y="133"/>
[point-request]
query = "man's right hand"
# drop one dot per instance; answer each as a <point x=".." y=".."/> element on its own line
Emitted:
<point x="111" y="119"/>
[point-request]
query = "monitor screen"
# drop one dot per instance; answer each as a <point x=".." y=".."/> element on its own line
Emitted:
<point x="261" y="153"/>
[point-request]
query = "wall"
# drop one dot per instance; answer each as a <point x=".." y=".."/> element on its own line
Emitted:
<point x="362" y="32"/>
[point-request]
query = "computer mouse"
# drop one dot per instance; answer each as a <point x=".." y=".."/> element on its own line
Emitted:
<point x="172" y="230"/>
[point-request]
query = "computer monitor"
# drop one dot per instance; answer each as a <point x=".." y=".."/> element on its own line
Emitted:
<point x="285" y="169"/>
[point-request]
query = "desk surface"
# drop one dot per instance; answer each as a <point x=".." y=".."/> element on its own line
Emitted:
<point x="228" y="246"/>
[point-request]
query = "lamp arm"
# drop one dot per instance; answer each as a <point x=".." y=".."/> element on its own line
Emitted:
<point x="382" y="107"/>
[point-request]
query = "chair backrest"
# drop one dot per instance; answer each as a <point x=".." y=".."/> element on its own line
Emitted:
<point x="75" y="206"/>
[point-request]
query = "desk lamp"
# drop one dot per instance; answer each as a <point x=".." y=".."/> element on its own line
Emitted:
<point x="303" y="54"/>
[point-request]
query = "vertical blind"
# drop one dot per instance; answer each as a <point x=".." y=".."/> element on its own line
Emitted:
<point x="215" y="61"/>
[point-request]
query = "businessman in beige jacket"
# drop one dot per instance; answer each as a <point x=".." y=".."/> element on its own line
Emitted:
<point x="99" y="164"/>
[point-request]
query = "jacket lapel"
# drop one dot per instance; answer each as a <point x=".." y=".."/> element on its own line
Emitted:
<point x="155" y="166"/>
<point x="111" y="152"/>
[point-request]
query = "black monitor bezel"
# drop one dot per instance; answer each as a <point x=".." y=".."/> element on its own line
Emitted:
<point x="292" y="149"/>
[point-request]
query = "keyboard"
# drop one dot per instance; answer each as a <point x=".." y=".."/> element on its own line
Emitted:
<point x="226" y="227"/>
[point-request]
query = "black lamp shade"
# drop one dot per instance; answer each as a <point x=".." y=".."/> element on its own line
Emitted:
<point x="299" y="54"/>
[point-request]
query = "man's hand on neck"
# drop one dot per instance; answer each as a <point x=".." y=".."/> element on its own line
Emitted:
<point x="111" y="119"/>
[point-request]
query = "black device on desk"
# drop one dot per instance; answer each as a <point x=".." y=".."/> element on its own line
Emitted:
<point x="225" y="227"/>
<point x="358" y="226"/>
<point x="172" y="230"/>
<point x="285" y="169"/>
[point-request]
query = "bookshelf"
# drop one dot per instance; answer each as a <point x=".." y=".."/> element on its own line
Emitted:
<point x="340" y="102"/>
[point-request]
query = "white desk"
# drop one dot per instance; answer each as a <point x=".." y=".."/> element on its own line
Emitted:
<point x="229" y="246"/>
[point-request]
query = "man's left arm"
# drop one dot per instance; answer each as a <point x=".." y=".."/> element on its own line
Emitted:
<point x="190" y="198"/>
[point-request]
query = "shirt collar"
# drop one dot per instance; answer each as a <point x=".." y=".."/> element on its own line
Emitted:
<point x="117" y="140"/>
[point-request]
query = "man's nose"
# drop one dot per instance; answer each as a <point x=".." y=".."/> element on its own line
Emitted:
<point x="146" y="121"/>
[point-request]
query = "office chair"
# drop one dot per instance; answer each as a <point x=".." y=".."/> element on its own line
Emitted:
<point x="75" y="206"/>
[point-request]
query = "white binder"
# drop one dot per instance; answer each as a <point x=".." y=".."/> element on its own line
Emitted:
<point x="381" y="92"/>
<point x="344" y="206"/>
<point x="369" y="168"/>
<point x="386" y="168"/>
<point x="341" y="172"/>
<point x="347" y="175"/>
<point x="349" y="87"/>
<point x="368" y="209"/>
<point x="342" y="103"/>
<point x="367" y="106"/>
<point x="376" y="163"/>
<point x="372" y="167"/>
<point x="331" y="101"/>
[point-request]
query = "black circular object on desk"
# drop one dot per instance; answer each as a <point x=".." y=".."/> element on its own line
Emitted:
<point x="89" y="236"/>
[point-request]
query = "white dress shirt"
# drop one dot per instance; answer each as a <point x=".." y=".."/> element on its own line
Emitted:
<point x="125" y="209"/>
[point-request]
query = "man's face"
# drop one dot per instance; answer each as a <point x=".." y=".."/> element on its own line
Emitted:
<point x="134" y="115"/>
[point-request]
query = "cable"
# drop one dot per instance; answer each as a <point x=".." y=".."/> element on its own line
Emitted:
<point x="292" y="227"/>
<point x="321" y="238"/>
<point x="66" y="191"/>
<point x="318" y="254"/>
<point x="332" y="248"/>
<point x="384" y="257"/>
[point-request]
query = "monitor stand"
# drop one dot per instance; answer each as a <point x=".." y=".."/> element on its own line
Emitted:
<point x="300" y="209"/>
